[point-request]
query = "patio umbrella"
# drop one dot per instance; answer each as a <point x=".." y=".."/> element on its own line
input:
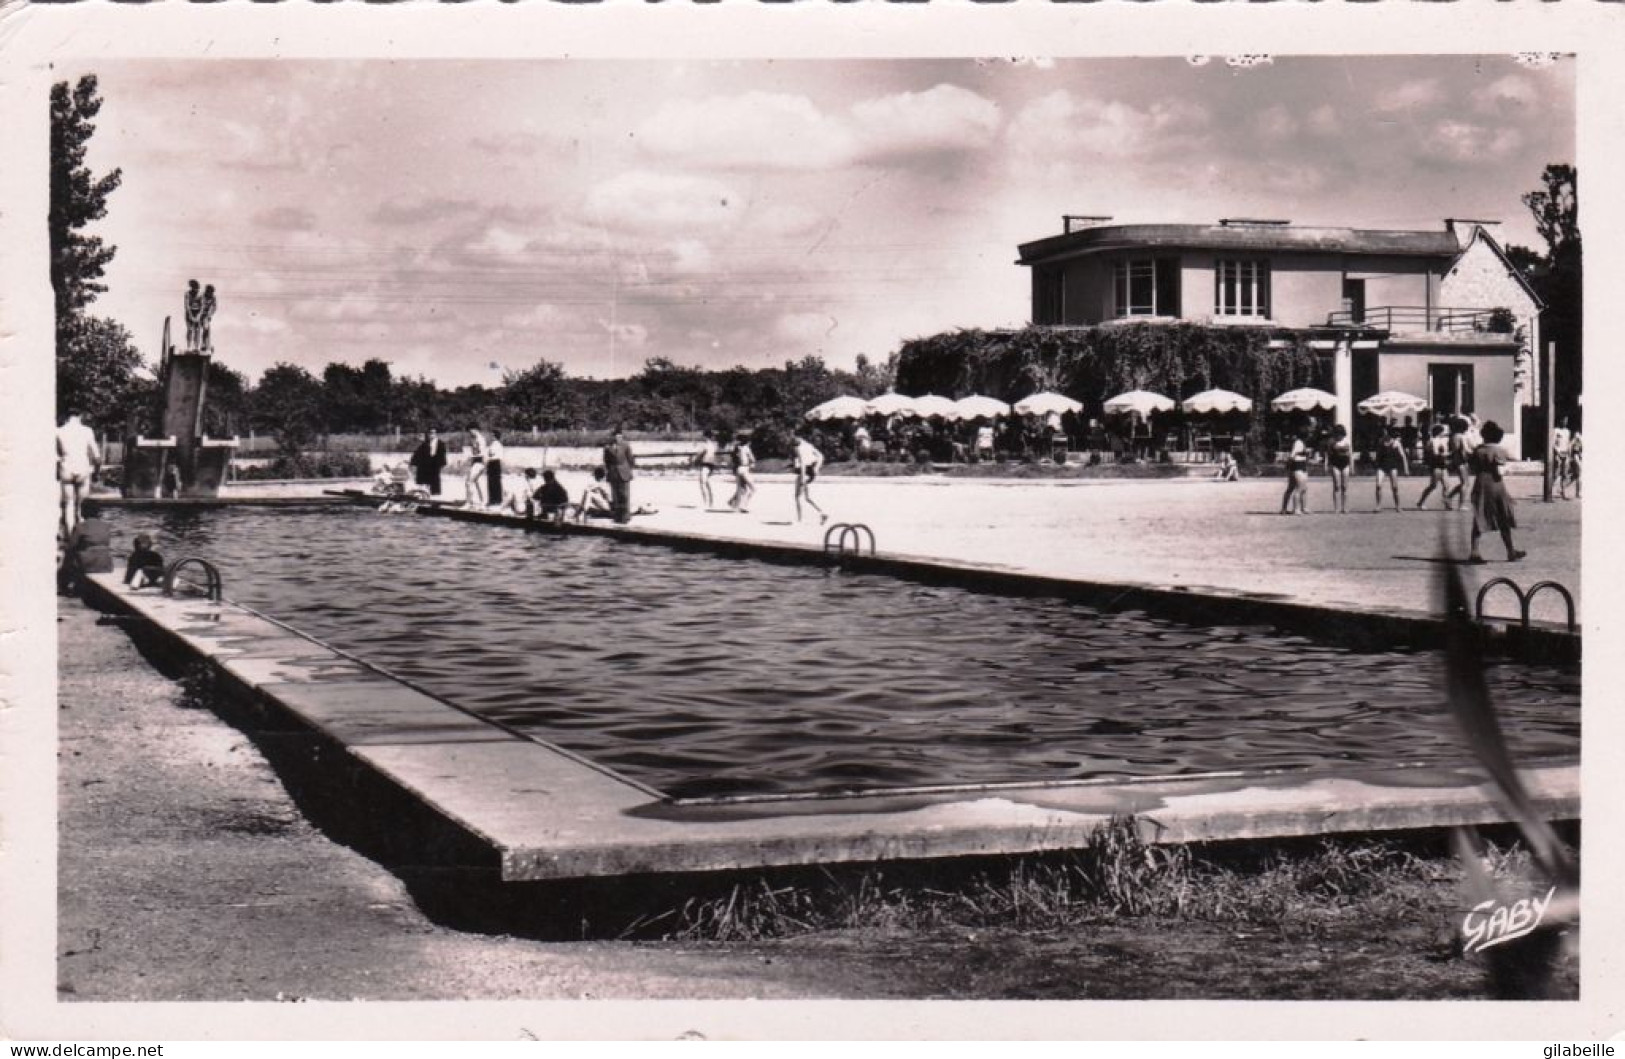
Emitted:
<point x="979" y="407"/>
<point x="931" y="406"/>
<point x="1391" y="403"/>
<point x="1137" y="402"/>
<point x="1306" y="399"/>
<point x="839" y="408"/>
<point x="1220" y="401"/>
<point x="890" y="404"/>
<point x="1042" y="404"/>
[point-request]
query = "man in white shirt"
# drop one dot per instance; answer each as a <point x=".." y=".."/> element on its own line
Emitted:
<point x="77" y="459"/>
<point x="1562" y="448"/>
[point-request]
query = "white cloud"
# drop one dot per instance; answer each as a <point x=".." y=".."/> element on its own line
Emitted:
<point x="1507" y="94"/>
<point x="266" y="325"/>
<point x="644" y="201"/>
<point x="942" y="118"/>
<point x="1409" y="95"/>
<point x="1462" y="141"/>
<point x="1324" y="120"/>
<point x="755" y="129"/>
<point x="500" y="240"/>
<point x="537" y="316"/>
<point x="634" y="335"/>
<point x="777" y="131"/>
<point x="690" y="255"/>
<point x="1062" y="123"/>
<point x="805" y="329"/>
<point x="1276" y="123"/>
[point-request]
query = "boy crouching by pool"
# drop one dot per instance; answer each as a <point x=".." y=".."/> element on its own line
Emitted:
<point x="146" y="566"/>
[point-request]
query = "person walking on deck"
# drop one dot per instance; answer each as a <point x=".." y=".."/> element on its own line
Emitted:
<point x="1437" y="457"/>
<point x="744" y="479"/>
<point x="806" y="461"/>
<point x="1391" y="463"/>
<point x="1492" y="506"/>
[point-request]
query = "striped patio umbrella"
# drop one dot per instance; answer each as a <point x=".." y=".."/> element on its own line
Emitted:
<point x="890" y="404"/>
<point x="1392" y="403"/>
<point x="839" y="408"/>
<point x="1217" y="401"/>
<point x="1138" y="402"/>
<point x="978" y="407"/>
<point x="1305" y="399"/>
<point x="931" y="406"/>
<point x="1042" y="404"/>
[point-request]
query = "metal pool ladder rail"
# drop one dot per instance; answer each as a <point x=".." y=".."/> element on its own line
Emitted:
<point x="848" y="531"/>
<point x="211" y="584"/>
<point x="1525" y="599"/>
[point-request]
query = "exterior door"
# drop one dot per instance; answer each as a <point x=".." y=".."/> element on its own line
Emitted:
<point x="1450" y="388"/>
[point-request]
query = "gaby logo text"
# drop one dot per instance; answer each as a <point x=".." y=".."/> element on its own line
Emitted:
<point x="1491" y="923"/>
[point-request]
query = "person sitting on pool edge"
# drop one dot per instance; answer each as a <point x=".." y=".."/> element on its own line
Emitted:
<point x="146" y="566"/>
<point x="597" y="502"/>
<point x="551" y="500"/>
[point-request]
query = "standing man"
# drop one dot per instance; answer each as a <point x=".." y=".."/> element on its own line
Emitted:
<point x="206" y="319"/>
<point x="194" y="316"/>
<point x="618" y="468"/>
<point x="493" y="471"/>
<point x="77" y="458"/>
<point x="1562" y="449"/>
<point x="428" y="461"/>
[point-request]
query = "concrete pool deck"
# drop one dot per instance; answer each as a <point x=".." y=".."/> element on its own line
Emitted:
<point x="538" y="813"/>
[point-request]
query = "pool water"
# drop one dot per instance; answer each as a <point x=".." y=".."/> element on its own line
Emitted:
<point x="706" y="676"/>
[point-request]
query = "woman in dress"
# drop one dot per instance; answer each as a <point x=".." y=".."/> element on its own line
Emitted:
<point x="1296" y="499"/>
<point x="1391" y="463"/>
<point x="1339" y="457"/>
<point x="1437" y="456"/>
<point x="1492" y="507"/>
<point x="474" y="483"/>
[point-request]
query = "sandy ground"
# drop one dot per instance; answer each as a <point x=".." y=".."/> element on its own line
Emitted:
<point x="1184" y="532"/>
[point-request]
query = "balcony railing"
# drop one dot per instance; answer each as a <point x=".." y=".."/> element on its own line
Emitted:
<point x="1412" y="319"/>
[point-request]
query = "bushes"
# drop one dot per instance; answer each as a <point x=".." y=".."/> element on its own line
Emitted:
<point x="310" y="465"/>
<point x="1092" y="364"/>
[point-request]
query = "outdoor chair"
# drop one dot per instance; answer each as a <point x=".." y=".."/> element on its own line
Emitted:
<point x="1202" y="446"/>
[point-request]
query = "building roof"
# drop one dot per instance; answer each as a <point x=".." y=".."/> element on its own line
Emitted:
<point x="1241" y="237"/>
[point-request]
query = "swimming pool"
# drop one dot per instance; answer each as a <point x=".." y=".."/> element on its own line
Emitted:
<point x="705" y="676"/>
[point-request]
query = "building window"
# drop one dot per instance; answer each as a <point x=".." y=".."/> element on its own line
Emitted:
<point x="1242" y="288"/>
<point x="1049" y="295"/>
<point x="1145" y="287"/>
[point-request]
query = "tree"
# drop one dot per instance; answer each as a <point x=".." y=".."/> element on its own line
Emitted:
<point x="77" y="197"/>
<point x="288" y="404"/>
<point x="1557" y="277"/>
<point x="96" y="359"/>
<point x="539" y="396"/>
<point x="96" y="362"/>
<point x="226" y="401"/>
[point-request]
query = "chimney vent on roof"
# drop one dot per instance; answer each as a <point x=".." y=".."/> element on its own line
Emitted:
<point x="1071" y="222"/>
<point x="1251" y="222"/>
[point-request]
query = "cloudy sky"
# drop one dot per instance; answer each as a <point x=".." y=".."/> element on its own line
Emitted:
<point x="462" y="219"/>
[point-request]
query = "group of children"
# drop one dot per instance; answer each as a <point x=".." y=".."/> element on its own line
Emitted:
<point x="805" y="461"/>
<point x="1459" y="448"/>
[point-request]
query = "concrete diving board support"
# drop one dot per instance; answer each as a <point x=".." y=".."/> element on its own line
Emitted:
<point x="543" y="813"/>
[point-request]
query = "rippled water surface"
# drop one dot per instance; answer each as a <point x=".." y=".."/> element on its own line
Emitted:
<point x="701" y="675"/>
